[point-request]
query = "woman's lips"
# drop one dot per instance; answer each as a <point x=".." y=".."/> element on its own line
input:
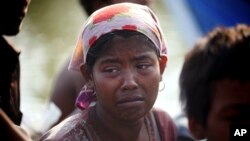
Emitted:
<point x="130" y="99"/>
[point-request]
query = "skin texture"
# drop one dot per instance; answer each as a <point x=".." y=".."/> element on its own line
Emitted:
<point x="231" y="104"/>
<point x="9" y="130"/>
<point x="121" y="77"/>
<point x="16" y="10"/>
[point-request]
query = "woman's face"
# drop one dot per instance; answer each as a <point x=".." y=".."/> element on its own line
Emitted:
<point x="126" y="78"/>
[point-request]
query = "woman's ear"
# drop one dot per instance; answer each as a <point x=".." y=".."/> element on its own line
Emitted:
<point x="86" y="74"/>
<point x="163" y="62"/>
<point x="196" y="129"/>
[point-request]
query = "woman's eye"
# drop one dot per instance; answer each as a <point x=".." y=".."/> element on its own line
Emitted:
<point x="111" y="70"/>
<point x="143" y="66"/>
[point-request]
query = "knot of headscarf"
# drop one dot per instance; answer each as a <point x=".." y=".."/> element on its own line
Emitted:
<point x="122" y="16"/>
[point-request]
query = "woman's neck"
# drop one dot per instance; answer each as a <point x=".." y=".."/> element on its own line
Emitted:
<point x="113" y="129"/>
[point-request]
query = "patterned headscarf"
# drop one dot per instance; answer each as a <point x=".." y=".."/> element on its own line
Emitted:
<point x="122" y="16"/>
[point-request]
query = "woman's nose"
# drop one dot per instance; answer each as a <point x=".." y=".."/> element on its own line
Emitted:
<point x="129" y="81"/>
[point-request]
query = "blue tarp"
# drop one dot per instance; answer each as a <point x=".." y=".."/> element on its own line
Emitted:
<point x="212" y="13"/>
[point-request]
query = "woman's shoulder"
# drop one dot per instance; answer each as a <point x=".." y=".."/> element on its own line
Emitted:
<point x="165" y="124"/>
<point x="72" y="128"/>
<point x="161" y="115"/>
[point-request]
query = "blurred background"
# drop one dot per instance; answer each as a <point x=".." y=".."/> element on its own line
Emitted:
<point x="48" y="37"/>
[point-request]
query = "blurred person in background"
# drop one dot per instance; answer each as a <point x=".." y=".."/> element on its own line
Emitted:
<point x="12" y="13"/>
<point x="215" y="83"/>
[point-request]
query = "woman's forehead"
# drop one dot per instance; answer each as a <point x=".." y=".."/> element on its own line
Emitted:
<point x="127" y="48"/>
<point x="135" y="44"/>
<point x="128" y="56"/>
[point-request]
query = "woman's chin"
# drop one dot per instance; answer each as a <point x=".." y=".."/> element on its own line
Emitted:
<point x="132" y="114"/>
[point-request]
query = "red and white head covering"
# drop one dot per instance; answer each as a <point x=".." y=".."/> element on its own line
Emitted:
<point x="122" y="16"/>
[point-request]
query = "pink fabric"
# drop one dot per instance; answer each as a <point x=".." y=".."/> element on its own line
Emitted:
<point x="122" y="16"/>
<point x="85" y="98"/>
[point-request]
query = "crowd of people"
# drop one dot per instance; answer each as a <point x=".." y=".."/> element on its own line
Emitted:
<point x="108" y="87"/>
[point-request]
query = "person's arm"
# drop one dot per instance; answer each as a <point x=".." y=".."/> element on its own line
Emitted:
<point x="66" y="88"/>
<point x="10" y="131"/>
